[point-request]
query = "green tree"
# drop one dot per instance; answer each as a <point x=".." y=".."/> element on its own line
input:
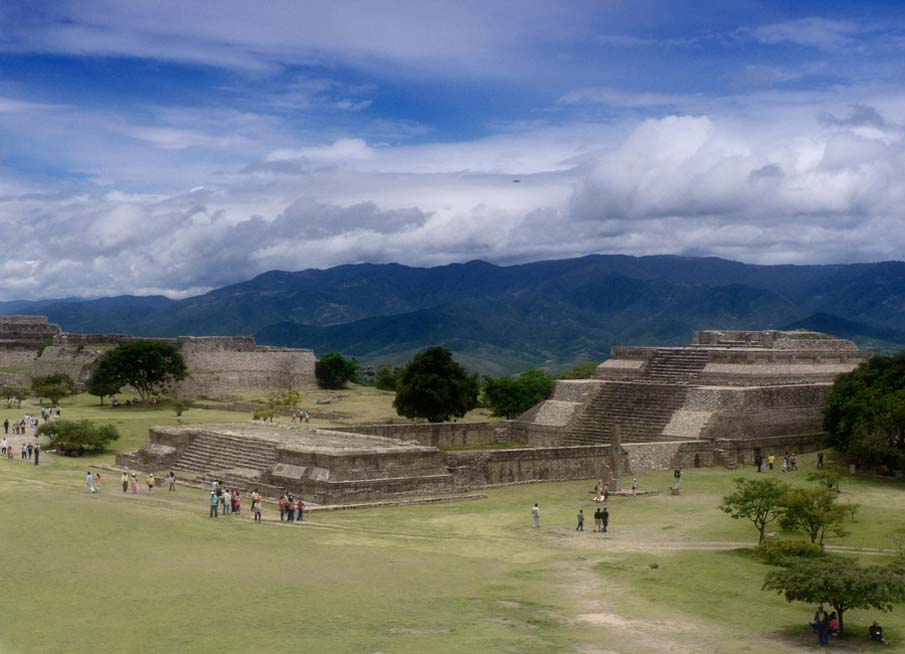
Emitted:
<point x="103" y="381"/>
<point x="150" y="367"/>
<point x="53" y="387"/>
<point x="814" y="511"/>
<point x="76" y="437"/>
<point x="864" y="415"/>
<point x="511" y="396"/>
<point x="386" y="377"/>
<point x="758" y="500"/>
<point x="840" y="582"/>
<point x="433" y="386"/>
<point x="14" y="394"/>
<point x="333" y="370"/>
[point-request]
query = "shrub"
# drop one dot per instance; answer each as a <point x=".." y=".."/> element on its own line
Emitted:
<point x="333" y="370"/>
<point x="785" y="552"/>
<point x="77" y="437"/>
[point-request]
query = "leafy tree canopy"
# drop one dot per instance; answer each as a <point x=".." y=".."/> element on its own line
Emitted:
<point x="333" y="370"/>
<point x="758" y="500"/>
<point x="581" y="371"/>
<point x="53" y="387"/>
<point x="386" y="377"/>
<point x="104" y="382"/>
<point x="147" y="366"/>
<point x="511" y="396"/>
<point x="865" y="413"/>
<point x="815" y="511"/>
<point x="433" y="386"/>
<point x="840" y="582"/>
<point x="78" y="436"/>
<point x="13" y="394"/>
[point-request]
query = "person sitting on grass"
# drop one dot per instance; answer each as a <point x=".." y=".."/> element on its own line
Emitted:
<point x="875" y="631"/>
<point x="834" y="624"/>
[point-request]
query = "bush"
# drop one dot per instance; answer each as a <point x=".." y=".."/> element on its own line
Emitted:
<point x="785" y="552"/>
<point x="77" y="437"/>
<point x="386" y="377"/>
<point x="511" y="396"/>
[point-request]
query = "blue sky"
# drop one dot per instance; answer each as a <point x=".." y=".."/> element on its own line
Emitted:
<point x="172" y="147"/>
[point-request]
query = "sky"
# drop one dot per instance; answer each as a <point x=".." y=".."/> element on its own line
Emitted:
<point x="162" y="147"/>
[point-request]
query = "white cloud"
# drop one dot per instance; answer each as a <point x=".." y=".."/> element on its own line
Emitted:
<point x="812" y="32"/>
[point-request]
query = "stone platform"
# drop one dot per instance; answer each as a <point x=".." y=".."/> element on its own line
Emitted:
<point x="320" y="464"/>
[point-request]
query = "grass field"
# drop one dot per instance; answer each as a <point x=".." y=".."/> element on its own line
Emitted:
<point x="110" y="573"/>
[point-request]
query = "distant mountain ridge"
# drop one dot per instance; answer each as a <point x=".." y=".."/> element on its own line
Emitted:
<point x="501" y="319"/>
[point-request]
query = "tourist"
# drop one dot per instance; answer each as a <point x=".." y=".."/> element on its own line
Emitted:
<point x="606" y="491"/>
<point x="597" y="518"/>
<point x="282" y="507"/>
<point x="604" y="519"/>
<point x="290" y="509"/>
<point x="9" y="453"/>
<point x="237" y="501"/>
<point x="875" y="631"/>
<point x="89" y="483"/>
<point x="758" y="463"/>
<point x="535" y="515"/>
<point x="172" y="479"/>
<point x="31" y="448"/>
<point x="634" y="487"/>
<point x="134" y="483"/>
<point x="225" y="504"/>
<point x="37" y="452"/>
<point x="24" y="452"/>
<point x="97" y="482"/>
<point x="820" y="460"/>
<point x="770" y="461"/>
<point x="301" y="510"/>
<point x="125" y="481"/>
<point x="214" y="501"/>
<point x="794" y="461"/>
<point x="256" y="505"/>
<point x="5" y="442"/>
<point x="151" y="482"/>
<point x="580" y="526"/>
<point x="5" y="428"/>
<point x="598" y="498"/>
<point x="822" y="625"/>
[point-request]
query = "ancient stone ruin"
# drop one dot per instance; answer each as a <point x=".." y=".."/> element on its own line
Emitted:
<point x="30" y="346"/>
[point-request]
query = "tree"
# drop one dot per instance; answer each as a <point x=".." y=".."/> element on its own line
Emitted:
<point x="864" y="415"/>
<point x="511" y="396"/>
<point x="386" y="377"/>
<point x="584" y="370"/>
<point x="103" y="381"/>
<point x="78" y="437"/>
<point x="813" y="511"/>
<point x="839" y="582"/>
<point x="14" y="394"/>
<point x="435" y="387"/>
<point x="288" y="400"/>
<point x="54" y="387"/>
<point x="147" y="366"/>
<point x="333" y="370"/>
<point x="758" y="500"/>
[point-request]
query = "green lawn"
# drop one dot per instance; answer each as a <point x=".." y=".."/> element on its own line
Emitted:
<point x="113" y="573"/>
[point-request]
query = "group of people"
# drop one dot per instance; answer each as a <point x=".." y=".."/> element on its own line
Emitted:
<point x="827" y="624"/>
<point x="50" y="412"/>
<point x="601" y="520"/>
<point x="228" y="501"/>
<point x="290" y="508"/>
<point x="28" y="451"/>
<point x="129" y="482"/>
<point x="789" y="462"/>
<point x="21" y="426"/>
<point x="300" y="416"/>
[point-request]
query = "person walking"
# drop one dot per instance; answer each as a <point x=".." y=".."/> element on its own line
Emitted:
<point x="256" y="505"/>
<point x="822" y="625"/>
<point x="172" y="479"/>
<point x="771" y="459"/>
<point x="290" y="509"/>
<point x="4" y="443"/>
<point x="634" y="487"/>
<point x="597" y="525"/>
<point x="125" y="481"/>
<point x="37" y="452"/>
<point x="134" y="484"/>
<point x="580" y="526"/>
<point x="97" y="482"/>
<point x="214" y="502"/>
<point x="535" y="514"/>
<point x="225" y="504"/>
<point x="89" y="483"/>
<point x="605" y="519"/>
<point x="820" y="460"/>
<point x="24" y="452"/>
<point x="151" y="482"/>
<point x="6" y="426"/>
<point x="237" y="501"/>
<point x="301" y="510"/>
<point x="31" y="449"/>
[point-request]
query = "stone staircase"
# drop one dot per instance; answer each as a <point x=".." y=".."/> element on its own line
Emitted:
<point x="726" y="459"/>
<point x="675" y="366"/>
<point x="209" y="452"/>
<point x="641" y="410"/>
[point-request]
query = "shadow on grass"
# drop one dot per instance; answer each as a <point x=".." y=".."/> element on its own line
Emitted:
<point x="803" y="636"/>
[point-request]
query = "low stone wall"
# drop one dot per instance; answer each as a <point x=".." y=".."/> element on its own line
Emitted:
<point x="215" y="372"/>
<point x="489" y="467"/>
<point x="440" y="434"/>
<point x="643" y="457"/>
<point x="744" y="452"/>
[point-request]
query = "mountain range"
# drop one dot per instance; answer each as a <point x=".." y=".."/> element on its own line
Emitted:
<point x="502" y="319"/>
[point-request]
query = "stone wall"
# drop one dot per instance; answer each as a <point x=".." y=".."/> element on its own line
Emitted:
<point x="489" y="467"/>
<point x="441" y="435"/>
<point x="27" y="329"/>
<point x="214" y="372"/>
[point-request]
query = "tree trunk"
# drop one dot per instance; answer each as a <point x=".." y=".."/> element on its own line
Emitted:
<point x="840" y="612"/>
